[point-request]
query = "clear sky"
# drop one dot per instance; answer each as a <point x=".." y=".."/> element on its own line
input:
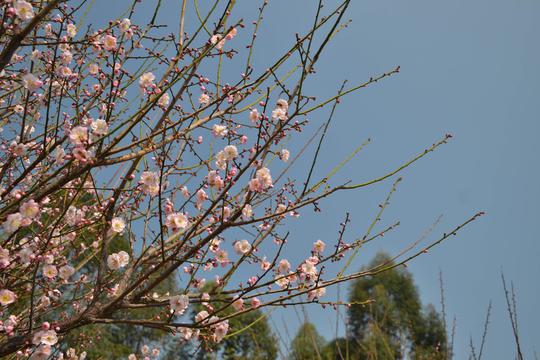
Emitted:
<point x="468" y="67"/>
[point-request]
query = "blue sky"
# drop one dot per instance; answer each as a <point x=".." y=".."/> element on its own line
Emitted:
<point x="470" y="68"/>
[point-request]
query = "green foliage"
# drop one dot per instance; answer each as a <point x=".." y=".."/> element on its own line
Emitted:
<point x="336" y="349"/>
<point x="394" y="324"/>
<point x="307" y="344"/>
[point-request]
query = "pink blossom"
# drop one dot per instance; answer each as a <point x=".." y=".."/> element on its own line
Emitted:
<point x="150" y="183"/>
<point x="118" y="225"/>
<point x="318" y="246"/>
<point x="179" y="304"/>
<point x="109" y="42"/>
<point x="238" y="304"/>
<point x="247" y="212"/>
<point x="219" y="130"/>
<point x="66" y="272"/>
<point x="13" y="222"/>
<point x="254" y="115"/>
<point x="29" y="209"/>
<point x="125" y="25"/>
<point x="176" y="222"/>
<point x="79" y="135"/>
<point x="204" y="99"/>
<point x="71" y="30"/>
<point x="201" y="197"/>
<point x="31" y="83"/>
<point x="146" y="80"/>
<point x="231" y="34"/>
<point x="255" y="303"/>
<point x="50" y="271"/>
<point x="242" y="247"/>
<point x="316" y="294"/>
<point x="7" y="297"/>
<point x="231" y="152"/>
<point x="23" y="10"/>
<point x="117" y="260"/>
<point x="284" y="266"/>
<point x="284" y="155"/>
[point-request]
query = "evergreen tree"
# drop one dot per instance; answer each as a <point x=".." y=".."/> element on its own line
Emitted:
<point x="394" y="324"/>
<point x="307" y="344"/>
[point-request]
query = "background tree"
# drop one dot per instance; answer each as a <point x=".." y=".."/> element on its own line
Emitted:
<point x="394" y="323"/>
<point x="307" y="344"/>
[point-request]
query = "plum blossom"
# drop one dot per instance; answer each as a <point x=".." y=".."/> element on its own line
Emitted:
<point x="23" y="10"/>
<point x="18" y="149"/>
<point x="81" y="154"/>
<point x="222" y="257"/>
<point x="219" y="130"/>
<point x="50" y="271"/>
<point x="247" y="212"/>
<point x="66" y="272"/>
<point x="216" y="40"/>
<point x="282" y="281"/>
<point x="71" y="30"/>
<point x="109" y="42"/>
<point x="179" y="304"/>
<point x="150" y="183"/>
<point x="221" y="160"/>
<point x="316" y="293"/>
<point x="13" y="222"/>
<point x="7" y="297"/>
<point x="93" y="69"/>
<point x="230" y="152"/>
<point x="281" y="208"/>
<point x="284" y="266"/>
<point x="254" y="115"/>
<point x="280" y="112"/>
<point x="79" y="135"/>
<point x="99" y="127"/>
<point x="185" y="192"/>
<point x="220" y="329"/>
<point x="64" y="72"/>
<point x="255" y="303"/>
<point x="118" y="225"/>
<point x="31" y="82"/>
<point x="231" y="34"/>
<point x="242" y="247"/>
<point x="125" y="25"/>
<point x="204" y="99"/>
<point x="164" y="100"/>
<point x="213" y="179"/>
<point x="146" y="80"/>
<point x="29" y="209"/>
<point x="200" y="198"/>
<point x="47" y="337"/>
<point x="308" y="268"/>
<point x="201" y="315"/>
<point x="74" y="216"/>
<point x="117" y="260"/>
<point x="284" y="155"/>
<point x="262" y="180"/>
<point x="318" y="246"/>
<point x="238" y="304"/>
<point x="176" y="221"/>
<point x="188" y="333"/>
